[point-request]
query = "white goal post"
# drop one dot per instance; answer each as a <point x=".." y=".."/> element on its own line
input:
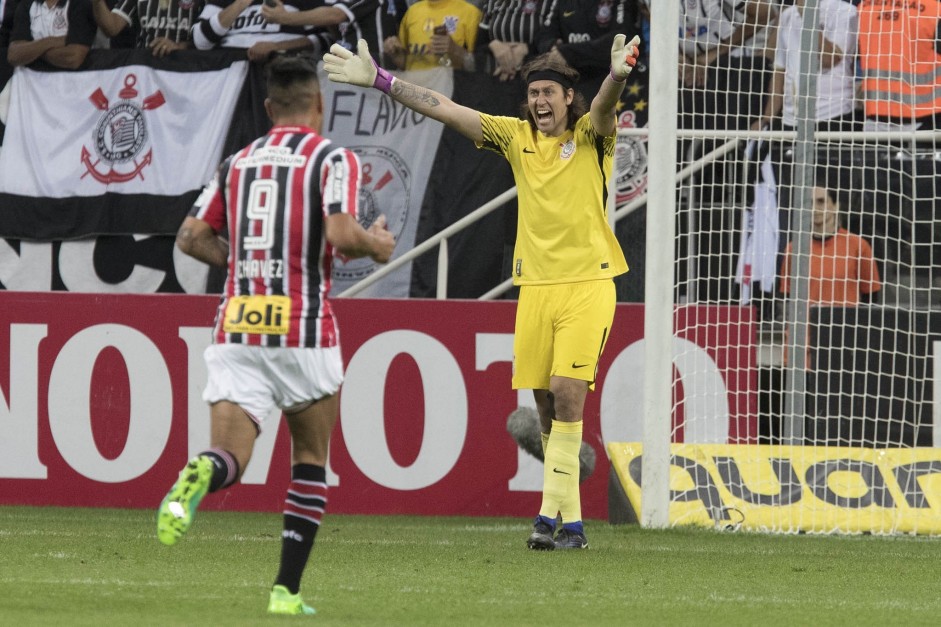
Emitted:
<point x="832" y="330"/>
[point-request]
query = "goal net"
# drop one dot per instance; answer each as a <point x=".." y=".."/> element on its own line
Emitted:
<point x="808" y="208"/>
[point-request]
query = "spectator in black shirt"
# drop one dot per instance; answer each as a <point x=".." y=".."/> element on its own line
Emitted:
<point x="723" y="70"/>
<point x="508" y="30"/>
<point x="374" y="21"/>
<point x="60" y="32"/>
<point x="345" y="22"/>
<point x="7" y="9"/>
<point x="580" y="33"/>
<point x="161" y="25"/>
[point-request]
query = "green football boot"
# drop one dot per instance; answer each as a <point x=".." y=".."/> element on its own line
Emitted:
<point x="178" y="508"/>
<point x="283" y="602"/>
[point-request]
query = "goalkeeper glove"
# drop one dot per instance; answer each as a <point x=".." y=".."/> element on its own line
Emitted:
<point x="623" y="57"/>
<point x="342" y="66"/>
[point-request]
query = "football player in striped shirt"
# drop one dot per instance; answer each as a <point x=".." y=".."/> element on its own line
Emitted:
<point x="275" y="215"/>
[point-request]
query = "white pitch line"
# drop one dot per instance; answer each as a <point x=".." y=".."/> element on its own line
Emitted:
<point x="118" y="583"/>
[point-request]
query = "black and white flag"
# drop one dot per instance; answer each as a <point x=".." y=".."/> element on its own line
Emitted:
<point x="115" y="148"/>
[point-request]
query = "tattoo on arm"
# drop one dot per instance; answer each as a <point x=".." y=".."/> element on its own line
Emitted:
<point x="408" y="94"/>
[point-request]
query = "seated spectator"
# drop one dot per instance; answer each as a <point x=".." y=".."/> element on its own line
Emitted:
<point x="899" y="57"/>
<point x="240" y="24"/>
<point x="435" y="33"/>
<point x="508" y="30"/>
<point x="843" y="271"/>
<point x="836" y="47"/>
<point x="60" y="32"/>
<point x="723" y="68"/>
<point x="161" y="25"/>
<point x="580" y="34"/>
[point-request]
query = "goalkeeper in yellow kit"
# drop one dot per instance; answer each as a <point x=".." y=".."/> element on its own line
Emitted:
<point x="566" y="254"/>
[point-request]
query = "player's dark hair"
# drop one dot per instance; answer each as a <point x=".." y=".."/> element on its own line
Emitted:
<point x="828" y="179"/>
<point x="829" y="182"/>
<point x="545" y="65"/>
<point x="292" y="82"/>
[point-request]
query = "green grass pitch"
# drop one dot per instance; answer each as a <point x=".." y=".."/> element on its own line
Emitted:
<point x="99" y="567"/>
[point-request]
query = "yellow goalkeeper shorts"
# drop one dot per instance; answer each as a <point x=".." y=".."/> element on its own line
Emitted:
<point x="561" y="331"/>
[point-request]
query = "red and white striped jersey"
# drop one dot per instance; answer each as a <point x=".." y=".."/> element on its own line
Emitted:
<point x="271" y="199"/>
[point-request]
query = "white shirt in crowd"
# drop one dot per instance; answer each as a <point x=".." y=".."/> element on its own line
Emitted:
<point x="835" y="87"/>
<point x="705" y="23"/>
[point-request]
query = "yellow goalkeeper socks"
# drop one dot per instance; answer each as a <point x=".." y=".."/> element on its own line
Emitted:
<point x="545" y="443"/>
<point x="571" y="506"/>
<point x="560" y="472"/>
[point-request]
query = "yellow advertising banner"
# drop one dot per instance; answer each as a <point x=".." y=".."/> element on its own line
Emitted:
<point x="795" y="488"/>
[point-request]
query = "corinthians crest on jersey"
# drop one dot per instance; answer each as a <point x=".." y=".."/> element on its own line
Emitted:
<point x="120" y="135"/>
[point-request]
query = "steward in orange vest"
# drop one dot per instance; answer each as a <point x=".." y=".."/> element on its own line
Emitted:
<point x="900" y="58"/>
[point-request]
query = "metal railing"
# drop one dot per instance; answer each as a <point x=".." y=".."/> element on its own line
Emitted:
<point x="734" y="138"/>
<point x="440" y="239"/>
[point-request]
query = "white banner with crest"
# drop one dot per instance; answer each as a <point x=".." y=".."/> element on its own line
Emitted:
<point x="134" y="130"/>
<point x="397" y="149"/>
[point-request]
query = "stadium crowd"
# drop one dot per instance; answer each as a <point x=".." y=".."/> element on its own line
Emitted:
<point x="733" y="53"/>
<point x="739" y="63"/>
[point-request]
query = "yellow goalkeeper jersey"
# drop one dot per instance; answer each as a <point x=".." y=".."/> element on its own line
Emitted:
<point x="562" y="233"/>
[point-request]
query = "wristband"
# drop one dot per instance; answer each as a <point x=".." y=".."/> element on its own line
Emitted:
<point x="383" y="80"/>
<point x="615" y="78"/>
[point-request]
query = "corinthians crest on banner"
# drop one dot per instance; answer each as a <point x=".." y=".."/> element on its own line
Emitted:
<point x="152" y="134"/>
<point x="630" y="162"/>
<point x="120" y="137"/>
<point x="396" y="148"/>
<point x="124" y="146"/>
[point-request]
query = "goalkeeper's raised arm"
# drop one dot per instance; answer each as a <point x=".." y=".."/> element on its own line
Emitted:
<point x="603" y="106"/>
<point x="342" y="66"/>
